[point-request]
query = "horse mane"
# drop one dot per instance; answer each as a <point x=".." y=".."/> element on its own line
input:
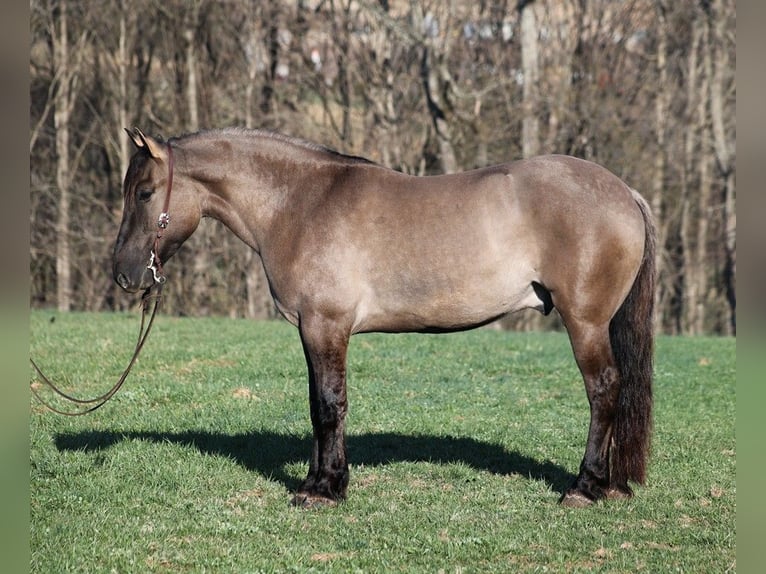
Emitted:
<point x="290" y="141"/>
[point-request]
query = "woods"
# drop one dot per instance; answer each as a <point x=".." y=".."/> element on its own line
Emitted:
<point x="643" y="87"/>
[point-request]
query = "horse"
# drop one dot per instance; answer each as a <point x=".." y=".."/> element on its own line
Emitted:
<point x="349" y="246"/>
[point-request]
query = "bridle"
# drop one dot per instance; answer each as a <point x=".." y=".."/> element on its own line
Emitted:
<point x="155" y="265"/>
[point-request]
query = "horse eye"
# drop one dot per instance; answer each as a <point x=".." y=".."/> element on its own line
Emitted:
<point x="145" y="194"/>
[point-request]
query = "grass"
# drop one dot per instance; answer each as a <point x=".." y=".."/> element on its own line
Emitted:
<point x="460" y="448"/>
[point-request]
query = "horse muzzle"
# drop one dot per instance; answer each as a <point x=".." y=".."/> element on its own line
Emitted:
<point x="135" y="279"/>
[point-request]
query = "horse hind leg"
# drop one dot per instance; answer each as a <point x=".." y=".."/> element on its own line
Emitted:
<point x="593" y="353"/>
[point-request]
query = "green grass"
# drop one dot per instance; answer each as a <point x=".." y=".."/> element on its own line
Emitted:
<point x="460" y="447"/>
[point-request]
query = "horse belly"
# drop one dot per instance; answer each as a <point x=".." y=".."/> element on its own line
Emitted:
<point x="438" y="275"/>
<point x="444" y="304"/>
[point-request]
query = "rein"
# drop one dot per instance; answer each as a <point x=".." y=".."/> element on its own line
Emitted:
<point x="155" y="265"/>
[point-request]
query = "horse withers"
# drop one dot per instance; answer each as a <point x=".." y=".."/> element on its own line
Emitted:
<point x="349" y="246"/>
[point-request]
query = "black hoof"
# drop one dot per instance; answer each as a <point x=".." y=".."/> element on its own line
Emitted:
<point x="312" y="501"/>
<point x="575" y="499"/>
<point x="619" y="493"/>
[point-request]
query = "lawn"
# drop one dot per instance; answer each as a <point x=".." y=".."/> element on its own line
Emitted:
<point x="460" y="446"/>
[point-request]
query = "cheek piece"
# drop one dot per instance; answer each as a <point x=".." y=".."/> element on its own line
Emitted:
<point x="155" y="265"/>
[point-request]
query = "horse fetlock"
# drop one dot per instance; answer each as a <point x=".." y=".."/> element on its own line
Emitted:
<point x="320" y="491"/>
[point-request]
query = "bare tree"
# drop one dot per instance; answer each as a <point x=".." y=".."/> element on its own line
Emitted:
<point x="723" y="142"/>
<point x="530" y="58"/>
<point x="67" y="76"/>
<point x="644" y="87"/>
<point x="433" y="29"/>
<point x="693" y="252"/>
<point x="660" y="128"/>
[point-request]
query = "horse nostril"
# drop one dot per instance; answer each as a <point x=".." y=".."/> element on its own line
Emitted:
<point x="122" y="281"/>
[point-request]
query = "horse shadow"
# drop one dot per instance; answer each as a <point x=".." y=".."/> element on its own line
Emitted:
<point x="270" y="453"/>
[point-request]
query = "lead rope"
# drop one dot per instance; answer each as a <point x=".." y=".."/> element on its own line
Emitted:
<point x="156" y="267"/>
<point x="97" y="402"/>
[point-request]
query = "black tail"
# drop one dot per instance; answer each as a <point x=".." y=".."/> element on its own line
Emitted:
<point x="632" y="336"/>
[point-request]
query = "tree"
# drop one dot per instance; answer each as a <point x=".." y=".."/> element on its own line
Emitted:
<point x="644" y="87"/>
<point x="721" y="94"/>
<point x="64" y="98"/>
<point x="530" y="136"/>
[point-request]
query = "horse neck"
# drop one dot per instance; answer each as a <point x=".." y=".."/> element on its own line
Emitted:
<point x="249" y="181"/>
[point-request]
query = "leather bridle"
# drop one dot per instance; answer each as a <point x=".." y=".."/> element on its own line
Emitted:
<point x="155" y="265"/>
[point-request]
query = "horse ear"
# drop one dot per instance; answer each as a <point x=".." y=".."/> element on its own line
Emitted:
<point x="156" y="149"/>
<point x="135" y="136"/>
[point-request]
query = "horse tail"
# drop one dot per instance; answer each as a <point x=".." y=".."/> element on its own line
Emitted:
<point x="632" y="338"/>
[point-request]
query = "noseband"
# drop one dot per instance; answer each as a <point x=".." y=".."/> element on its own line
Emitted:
<point x="155" y="265"/>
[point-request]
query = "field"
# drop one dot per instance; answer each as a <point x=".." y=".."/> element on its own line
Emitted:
<point x="460" y="447"/>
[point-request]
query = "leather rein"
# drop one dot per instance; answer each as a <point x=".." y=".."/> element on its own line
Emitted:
<point x="155" y="265"/>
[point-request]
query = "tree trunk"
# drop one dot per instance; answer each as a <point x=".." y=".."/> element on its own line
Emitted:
<point x="256" y="290"/>
<point x="705" y="162"/>
<point x="191" y="71"/>
<point x="123" y="118"/>
<point x="658" y="183"/>
<point x="253" y="59"/>
<point x="530" y="123"/>
<point x="724" y="156"/>
<point x="203" y="240"/>
<point x="692" y="289"/>
<point x="557" y="83"/>
<point x="343" y="39"/>
<point x="271" y="14"/>
<point x="433" y="90"/>
<point x="123" y="67"/>
<point x="61" y="115"/>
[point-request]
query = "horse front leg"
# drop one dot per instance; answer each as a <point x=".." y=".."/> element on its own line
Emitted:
<point x="594" y="357"/>
<point x="325" y="345"/>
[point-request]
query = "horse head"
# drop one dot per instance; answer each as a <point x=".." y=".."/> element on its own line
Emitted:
<point x="159" y="214"/>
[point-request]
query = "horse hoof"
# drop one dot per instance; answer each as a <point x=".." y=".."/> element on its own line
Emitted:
<point x="575" y="499"/>
<point x="619" y="493"/>
<point x="312" y="501"/>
